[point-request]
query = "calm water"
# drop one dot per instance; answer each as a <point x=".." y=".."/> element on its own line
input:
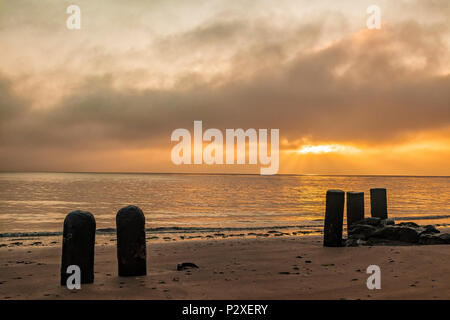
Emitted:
<point x="35" y="202"/>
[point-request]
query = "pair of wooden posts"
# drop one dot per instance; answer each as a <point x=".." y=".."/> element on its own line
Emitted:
<point x="334" y="212"/>
<point x="79" y="242"/>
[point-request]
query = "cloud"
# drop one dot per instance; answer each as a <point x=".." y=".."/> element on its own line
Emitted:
<point x="368" y="87"/>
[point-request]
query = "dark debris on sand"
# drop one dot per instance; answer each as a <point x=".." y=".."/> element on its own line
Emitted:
<point x="186" y="265"/>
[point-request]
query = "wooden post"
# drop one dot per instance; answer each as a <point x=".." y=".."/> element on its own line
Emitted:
<point x="131" y="249"/>
<point x="334" y="216"/>
<point x="378" y="203"/>
<point x="78" y="245"/>
<point x="355" y="207"/>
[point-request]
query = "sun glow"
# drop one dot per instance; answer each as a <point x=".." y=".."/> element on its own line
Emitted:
<point x="326" y="148"/>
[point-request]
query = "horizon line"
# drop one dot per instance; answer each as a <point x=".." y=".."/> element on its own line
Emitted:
<point x="227" y="173"/>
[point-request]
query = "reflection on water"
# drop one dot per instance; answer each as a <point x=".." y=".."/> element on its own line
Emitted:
<point x="40" y="201"/>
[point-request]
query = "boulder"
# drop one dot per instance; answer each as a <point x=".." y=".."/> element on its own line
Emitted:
<point x="361" y="231"/>
<point x="397" y="233"/>
<point x="377" y="231"/>
<point x="409" y="235"/>
<point x="372" y="221"/>
<point x="429" y="229"/>
<point x="388" y="222"/>
<point x="409" y="224"/>
<point x="430" y="239"/>
<point x="355" y="242"/>
<point x="445" y="237"/>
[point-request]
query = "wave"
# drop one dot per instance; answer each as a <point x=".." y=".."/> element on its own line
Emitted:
<point x="421" y="217"/>
<point x="161" y="230"/>
<point x="219" y="229"/>
<point x="29" y="234"/>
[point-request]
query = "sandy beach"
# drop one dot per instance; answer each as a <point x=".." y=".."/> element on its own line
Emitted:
<point x="237" y="268"/>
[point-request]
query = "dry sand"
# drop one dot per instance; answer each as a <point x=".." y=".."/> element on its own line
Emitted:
<point x="239" y="268"/>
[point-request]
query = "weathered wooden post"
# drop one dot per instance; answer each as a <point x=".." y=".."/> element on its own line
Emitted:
<point x="78" y="245"/>
<point x="378" y="203"/>
<point x="334" y="216"/>
<point x="355" y="207"/>
<point x="131" y="249"/>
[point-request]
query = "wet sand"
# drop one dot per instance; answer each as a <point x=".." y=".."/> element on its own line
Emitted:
<point x="237" y="268"/>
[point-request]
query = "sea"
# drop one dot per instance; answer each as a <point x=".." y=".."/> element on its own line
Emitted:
<point x="191" y="205"/>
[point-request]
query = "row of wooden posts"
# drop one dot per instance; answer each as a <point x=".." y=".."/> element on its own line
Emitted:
<point x="79" y="233"/>
<point x="334" y="212"/>
<point x="79" y="243"/>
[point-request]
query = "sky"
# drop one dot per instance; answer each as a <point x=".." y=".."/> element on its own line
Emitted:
<point x="346" y="99"/>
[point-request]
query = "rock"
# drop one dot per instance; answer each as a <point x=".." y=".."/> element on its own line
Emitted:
<point x="429" y="229"/>
<point x="372" y="221"/>
<point x="186" y="265"/>
<point x="409" y="235"/>
<point x="388" y="222"/>
<point x="376" y="231"/>
<point x="357" y="231"/>
<point x="387" y="232"/>
<point x="397" y="233"/>
<point x="430" y="239"/>
<point x="445" y="237"/>
<point x="409" y="224"/>
<point x="360" y="242"/>
<point x="355" y="243"/>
